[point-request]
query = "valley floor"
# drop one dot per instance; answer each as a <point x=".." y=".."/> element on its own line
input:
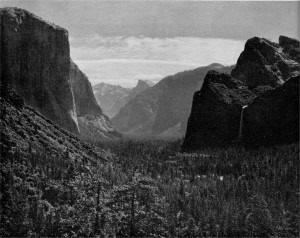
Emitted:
<point x="151" y="189"/>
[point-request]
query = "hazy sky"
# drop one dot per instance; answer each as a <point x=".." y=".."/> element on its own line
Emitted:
<point x="119" y="42"/>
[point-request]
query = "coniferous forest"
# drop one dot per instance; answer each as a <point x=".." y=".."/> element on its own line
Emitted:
<point x="151" y="189"/>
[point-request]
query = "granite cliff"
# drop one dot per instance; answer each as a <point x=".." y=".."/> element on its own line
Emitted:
<point x="267" y="63"/>
<point x="35" y="62"/>
<point x="35" y="59"/>
<point x="216" y="110"/>
<point x="255" y="104"/>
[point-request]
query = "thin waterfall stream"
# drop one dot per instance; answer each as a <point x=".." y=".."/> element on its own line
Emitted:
<point x="241" y="122"/>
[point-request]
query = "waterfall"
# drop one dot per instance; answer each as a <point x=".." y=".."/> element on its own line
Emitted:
<point x="241" y="122"/>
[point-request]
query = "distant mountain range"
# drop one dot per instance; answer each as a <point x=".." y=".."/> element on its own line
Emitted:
<point x="112" y="98"/>
<point x="162" y="110"/>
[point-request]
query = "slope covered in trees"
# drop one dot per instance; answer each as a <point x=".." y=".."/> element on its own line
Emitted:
<point x="153" y="190"/>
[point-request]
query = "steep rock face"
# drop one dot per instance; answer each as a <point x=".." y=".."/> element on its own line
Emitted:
<point x="216" y="111"/>
<point x="273" y="117"/>
<point x="267" y="63"/>
<point x="163" y="109"/>
<point x="85" y="101"/>
<point x="217" y="117"/>
<point x="93" y="124"/>
<point x="112" y="98"/>
<point x="35" y="60"/>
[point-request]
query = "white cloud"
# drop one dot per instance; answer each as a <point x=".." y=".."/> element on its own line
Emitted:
<point x="151" y="77"/>
<point x="183" y="49"/>
<point x="127" y="58"/>
<point x="125" y="72"/>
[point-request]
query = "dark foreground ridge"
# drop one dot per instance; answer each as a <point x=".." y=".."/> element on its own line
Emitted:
<point x="25" y="131"/>
<point x="258" y="104"/>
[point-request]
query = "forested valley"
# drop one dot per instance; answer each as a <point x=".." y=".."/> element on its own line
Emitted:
<point x="150" y="188"/>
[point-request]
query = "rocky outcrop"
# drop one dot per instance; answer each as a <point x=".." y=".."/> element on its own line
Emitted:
<point x="253" y="105"/>
<point x="112" y="98"/>
<point x="162" y="110"/>
<point x="267" y="63"/>
<point x="35" y="62"/>
<point x="273" y="117"/>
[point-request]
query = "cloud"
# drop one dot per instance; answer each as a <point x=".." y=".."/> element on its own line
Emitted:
<point x="125" y="72"/>
<point x="124" y="59"/>
<point x="151" y="77"/>
<point x="181" y="49"/>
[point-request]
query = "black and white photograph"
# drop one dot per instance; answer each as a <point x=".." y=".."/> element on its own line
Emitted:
<point x="149" y="118"/>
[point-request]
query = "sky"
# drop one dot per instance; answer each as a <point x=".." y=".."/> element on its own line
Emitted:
<point x="119" y="42"/>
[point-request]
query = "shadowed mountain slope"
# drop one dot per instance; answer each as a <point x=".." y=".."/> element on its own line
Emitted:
<point x="273" y="117"/>
<point x="264" y="82"/>
<point x="112" y="98"/>
<point x="23" y="129"/>
<point x="163" y="109"/>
